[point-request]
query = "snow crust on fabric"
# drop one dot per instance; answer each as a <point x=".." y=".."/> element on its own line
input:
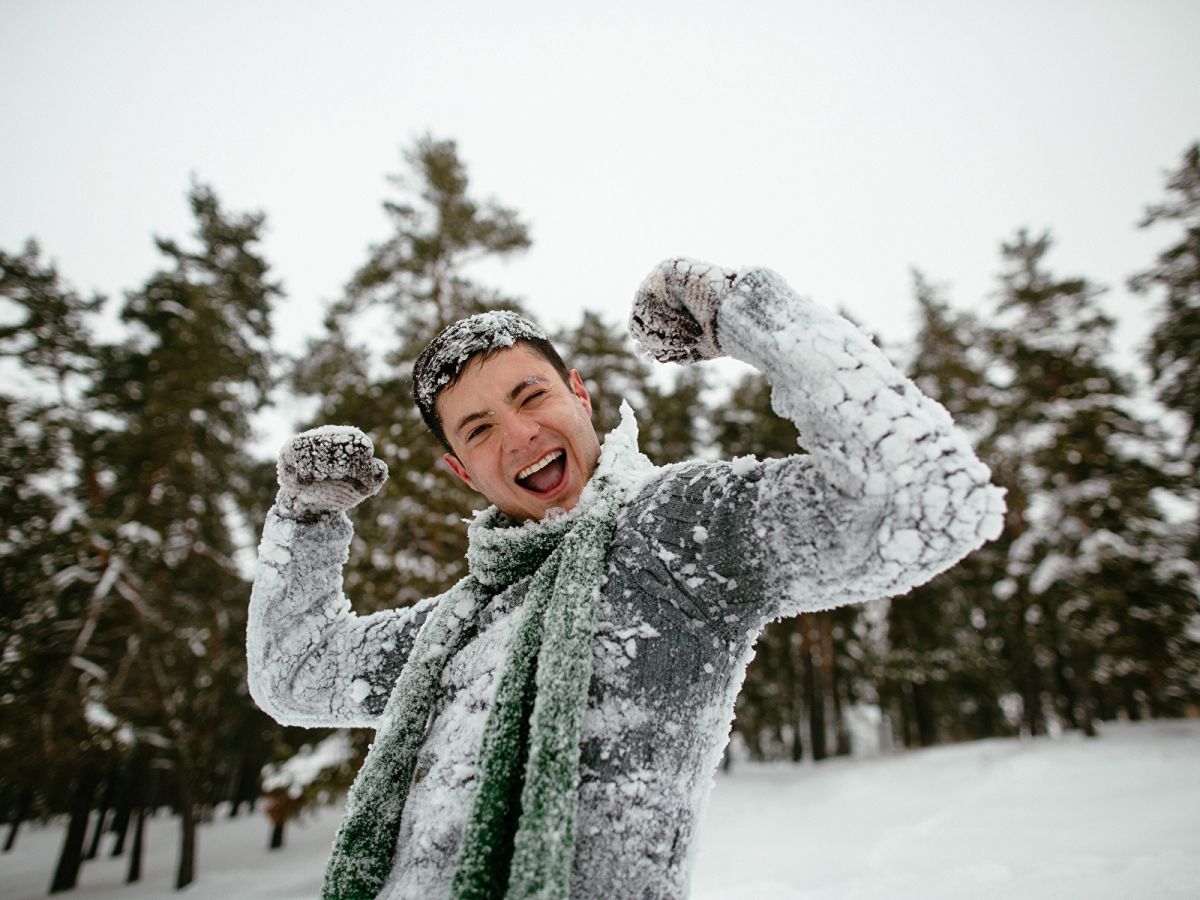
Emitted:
<point x="675" y="311"/>
<point x="874" y="440"/>
<point x="305" y="644"/>
<point x="888" y="496"/>
<point x="327" y="469"/>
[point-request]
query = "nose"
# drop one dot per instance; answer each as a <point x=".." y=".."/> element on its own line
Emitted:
<point x="519" y="432"/>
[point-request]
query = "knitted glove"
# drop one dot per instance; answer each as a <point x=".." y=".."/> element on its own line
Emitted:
<point x="675" y="310"/>
<point x="327" y="469"/>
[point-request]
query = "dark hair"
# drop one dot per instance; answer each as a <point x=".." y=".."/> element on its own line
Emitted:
<point x="441" y="364"/>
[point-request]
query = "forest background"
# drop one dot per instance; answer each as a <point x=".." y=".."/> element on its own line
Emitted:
<point x="131" y="500"/>
<point x="134" y="475"/>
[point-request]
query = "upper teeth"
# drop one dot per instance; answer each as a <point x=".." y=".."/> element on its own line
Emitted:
<point x="540" y="464"/>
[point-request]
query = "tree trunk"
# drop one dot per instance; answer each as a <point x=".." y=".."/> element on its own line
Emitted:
<point x="106" y="801"/>
<point x="277" y="835"/>
<point x="1085" y="705"/>
<point x="824" y="623"/>
<point x="186" y="873"/>
<point x="907" y="715"/>
<point x="988" y="717"/>
<point x="1129" y="700"/>
<point x="1066" y="667"/>
<point x="120" y="826"/>
<point x="923" y="714"/>
<point x="795" y="708"/>
<point x="132" y="796"/>
<point x="841" y="730"/>
<point x="134" y="872"/>
<point x="1026" y="673"/>
<point x="97" y="833"/>
<point x="1035" y="721"/>
<point x="1156" y="692"/>
<point x="70" y="858"/>
<point x="107" y="798"/>
<point x="249" y="775"/>
<point x="1087" y="721"/>
<point x="24" y="805"/>
<point x="813" y="693"/>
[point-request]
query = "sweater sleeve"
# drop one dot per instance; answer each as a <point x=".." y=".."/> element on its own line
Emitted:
<point x="311" y="660"/>
<point x="889" y="494"/>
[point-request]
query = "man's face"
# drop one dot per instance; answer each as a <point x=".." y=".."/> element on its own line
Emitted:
<point x="521" y="437"/>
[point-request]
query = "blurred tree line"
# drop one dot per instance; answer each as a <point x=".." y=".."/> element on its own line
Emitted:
<point x="129" y="496"/>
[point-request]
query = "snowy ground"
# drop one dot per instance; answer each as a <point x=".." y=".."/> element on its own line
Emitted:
<point x="1116" y="817"/>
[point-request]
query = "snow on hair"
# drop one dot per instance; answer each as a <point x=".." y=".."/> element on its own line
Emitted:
<point x="441" y="363"/>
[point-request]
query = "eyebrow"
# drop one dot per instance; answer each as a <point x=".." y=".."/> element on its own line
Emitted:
<point x="518" y="389"/>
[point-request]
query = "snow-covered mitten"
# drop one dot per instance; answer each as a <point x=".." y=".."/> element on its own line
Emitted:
<point x="674" y="315"/>
<point x="327" y="469"/>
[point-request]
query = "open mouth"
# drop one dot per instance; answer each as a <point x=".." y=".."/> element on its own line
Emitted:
<point x="546" y="474"/>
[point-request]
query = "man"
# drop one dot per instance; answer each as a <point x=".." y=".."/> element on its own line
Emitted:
<point x="550" y="726"/>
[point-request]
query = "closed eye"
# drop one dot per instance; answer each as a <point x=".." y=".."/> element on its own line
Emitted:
<point x="477" y="431"/>
<point x="534" y="397"/>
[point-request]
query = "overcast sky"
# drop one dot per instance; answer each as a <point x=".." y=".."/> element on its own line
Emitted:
<point x="840" y="143"/>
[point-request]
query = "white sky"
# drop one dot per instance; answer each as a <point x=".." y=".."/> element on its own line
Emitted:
<point x="839" y="143"/>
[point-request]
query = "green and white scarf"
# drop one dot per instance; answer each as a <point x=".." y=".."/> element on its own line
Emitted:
<point x="519" y="837"/>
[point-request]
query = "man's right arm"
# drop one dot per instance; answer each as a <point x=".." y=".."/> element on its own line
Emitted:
<point x="311" y="660"/>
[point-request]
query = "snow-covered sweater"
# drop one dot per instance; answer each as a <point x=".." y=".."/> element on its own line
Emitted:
<point x="704" y="555"/>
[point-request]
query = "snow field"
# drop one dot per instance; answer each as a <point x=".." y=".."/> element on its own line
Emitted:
<point x="1117" y="817"/>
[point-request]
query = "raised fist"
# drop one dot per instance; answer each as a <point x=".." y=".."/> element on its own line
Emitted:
<point x="327" y="469"/>
<point x="674" y="315"/>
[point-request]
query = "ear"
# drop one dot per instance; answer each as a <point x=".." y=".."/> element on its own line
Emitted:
<point x="578" y="389"/>
<point x="459" y="470"/>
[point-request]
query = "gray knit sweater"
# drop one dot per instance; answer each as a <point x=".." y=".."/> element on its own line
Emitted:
<point x="706" y="554"/>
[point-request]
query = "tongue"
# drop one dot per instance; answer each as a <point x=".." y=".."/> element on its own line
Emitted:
<point x="547" y="477"/>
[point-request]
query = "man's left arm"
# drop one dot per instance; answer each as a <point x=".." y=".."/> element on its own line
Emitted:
<point x="889" y="494"/>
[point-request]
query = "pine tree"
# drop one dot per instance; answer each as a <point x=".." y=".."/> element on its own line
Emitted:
<point x="611" y="370"/>
<point x="409" y="541"/>
<point x="1173" y="350"/>
<point x="1092" y="581"/>
<point x="419" y="272"/>
<point x="54" y="739"/>
<point x="181" y="390"/>
<point x="676" y="418"/>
